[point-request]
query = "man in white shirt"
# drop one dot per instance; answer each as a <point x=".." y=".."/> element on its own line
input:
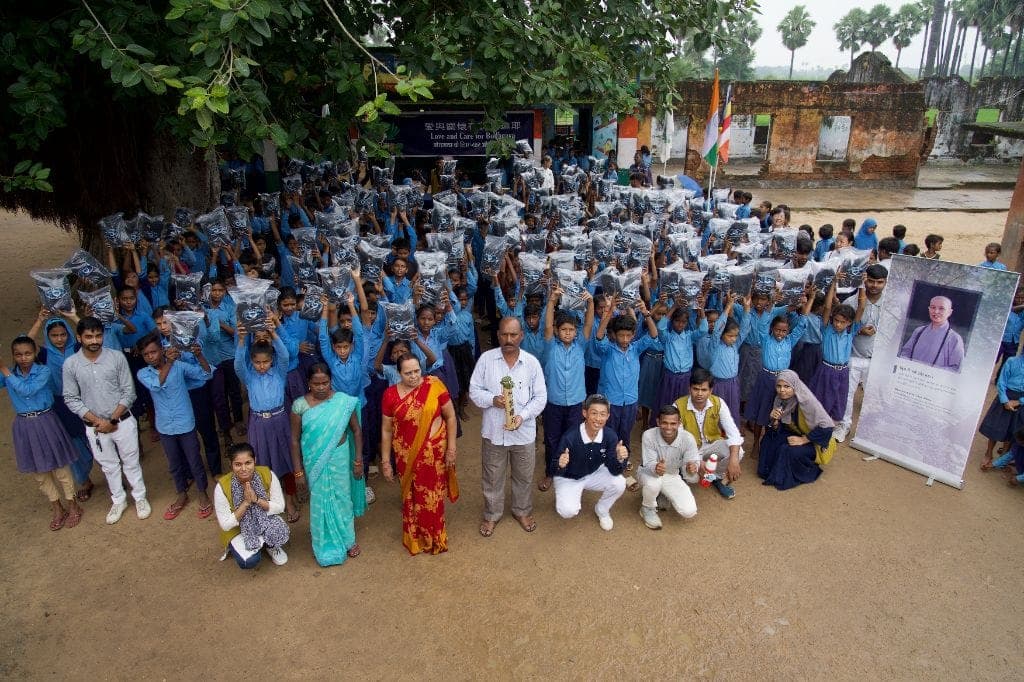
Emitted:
<point x="875" y="278"/>
<point x="503" y="448"/>
<point x="669" y="455"/>
<point x="706" y="417"/>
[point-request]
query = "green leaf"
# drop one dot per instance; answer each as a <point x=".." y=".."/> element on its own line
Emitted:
<point x="22" y="167"/>
<point x="261" y="27"/>
<point x="42" y="174"/>
<point x="204" y="118"/>
<point x="44" y="186"/>
<point x="228" y="21"/>
<point x="139" y="50"/>
<point x="175" y="13"/>
<point x="132" y="78"/>
<point x="241" y="68"/>
<point x="173" y="83"/>
<point x="197" y="47"/>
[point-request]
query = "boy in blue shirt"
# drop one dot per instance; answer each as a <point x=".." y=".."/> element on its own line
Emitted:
<point x="825" y="243"/>
<point x="167" y="381"/>
<point x="620" y="364"/>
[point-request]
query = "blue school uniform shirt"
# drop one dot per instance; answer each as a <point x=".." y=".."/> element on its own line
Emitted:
<point x="218" y="345"/>
<point x="346" y="376"/>
<point x="112" y="339"/>
<point x="992" y="266"/>
<point x="292" y="344"/>
<point x="822" y="249"/>
<point x="28" y="392"/>
<point x="725" y="359"/>
<point x="812" y="331"/>
<point x="837" y="347"/>
<point x="143" y="325"/>
<point x="760" y="323"/>
<point x="174" y="414"/>
<point x="743" y="212"/>
<point x="563" y="371"/>
<point x="266" y="391"/>
<point x="776" y="354"/>
<point x="620" y="369"/>
<point x="502" y="305"/>
<point x="55" y="358"/>
<point x="437" y="342"/>
<point x="287" y="273"/>
<point x="679" y="345"/>
<point x="397" y="291"/>
<point x="533" y="341"/>
<point x="1013" y="328"/>
<point x="303" y="330"/>
<point x="1011" y="378"/>
<point x="463" y="330"/>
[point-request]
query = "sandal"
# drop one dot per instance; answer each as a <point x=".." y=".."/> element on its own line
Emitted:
<point x="86" y="492"/>
<point x="73" y="517"/>
<point x="204" y="512"/>
<point x="987" y="465"/>
<point x="294" y="517"/>
<point x="354" y="551"/>
<point x="544" y="485"/>
<point x="58" y="521"/>
<point x="174" y="509"/>
<point x="526" y="522"/>
<point x="487" y="528"/>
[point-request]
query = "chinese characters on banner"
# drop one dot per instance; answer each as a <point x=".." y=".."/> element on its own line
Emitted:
<point x="458" y="133"/>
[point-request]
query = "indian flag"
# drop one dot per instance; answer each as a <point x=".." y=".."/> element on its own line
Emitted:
<point x="710" y="148"/>
<point x="723" y="137"/>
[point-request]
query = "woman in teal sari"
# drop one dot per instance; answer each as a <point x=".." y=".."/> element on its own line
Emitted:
<point x="327" y="456"/>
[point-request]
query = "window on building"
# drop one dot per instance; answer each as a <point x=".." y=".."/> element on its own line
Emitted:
<point x="834" y="138"/>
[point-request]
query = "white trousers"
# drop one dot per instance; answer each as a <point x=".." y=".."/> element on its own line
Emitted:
<point x="672" y="487"/>
<point x="858" y="375"/>
<point x="569" y="492"/>
<point x="119" y="451"/>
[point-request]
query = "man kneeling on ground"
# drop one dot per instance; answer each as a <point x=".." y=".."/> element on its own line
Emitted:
<point x="706" y="417"/>
<point x="670" y="454"/>
<point x="592" y="458"/>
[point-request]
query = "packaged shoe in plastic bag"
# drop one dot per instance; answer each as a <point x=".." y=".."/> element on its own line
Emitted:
<point x="250" y="302"/>
<point x="853" y="264"/>
<point x="312" y="307"/>
<point x="371" y="260"/>
<point x="793" y="284"/>
<point x="114" y="230"/>
<point x="401" y="320"/>
<point x="185" y="326"/>
<point x="215" y="224"/>
<point x="87" y="269"/>
<point x="188" y="290"/>
<point x="336" y="283"/>
<point x="100" y="304"/>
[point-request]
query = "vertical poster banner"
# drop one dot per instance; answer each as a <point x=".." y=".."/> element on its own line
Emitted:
<point x="606" y="133"/>
<point x="934" y="351"/>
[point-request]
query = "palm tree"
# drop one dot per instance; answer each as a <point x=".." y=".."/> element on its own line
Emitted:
<point x="879" y="26"/>
<point x="795" y="28"/>
<point x="935" y="35"/>
<point x="907" y="23"/>
<point x="850" y="31"/>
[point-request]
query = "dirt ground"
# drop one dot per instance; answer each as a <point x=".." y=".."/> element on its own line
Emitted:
<point x="866" y="574"/>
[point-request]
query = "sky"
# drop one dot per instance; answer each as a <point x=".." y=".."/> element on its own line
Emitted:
<point x="822" y="48"/>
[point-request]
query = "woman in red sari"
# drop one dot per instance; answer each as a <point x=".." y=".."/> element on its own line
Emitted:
<point x="419" y="427"/>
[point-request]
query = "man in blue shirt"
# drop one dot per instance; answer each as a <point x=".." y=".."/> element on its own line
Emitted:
<point x="167" y="381"/>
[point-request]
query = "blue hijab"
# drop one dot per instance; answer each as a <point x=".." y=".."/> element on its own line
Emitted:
<point x="54" y="357"/>
<point x="864" y="239"/>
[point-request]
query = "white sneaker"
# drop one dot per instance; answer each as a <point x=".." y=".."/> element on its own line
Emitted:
<point x="114" y="515"/>
<point x="370" y="496"/>
<point x="606" y="522"/>
<point x="840" y="432"/>
<point x="277" y="555"/>
<point x="650" y="517"/>
<point x="143" y="509"/>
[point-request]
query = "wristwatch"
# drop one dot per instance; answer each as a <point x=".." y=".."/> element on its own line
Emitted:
<point x="115" y="420"/>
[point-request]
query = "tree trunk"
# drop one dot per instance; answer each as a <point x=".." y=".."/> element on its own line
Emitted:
<point x="1016" y="49"/>
<point x="851" y="57"/>
<point x="899" y="51"/>
<point x="958" y="56"/>
<point x="974" y="54"/>
<point x="792" y="56"/>
<point x="924" y="48"/>
<point x="938" y="15"/>
<point x="984" y="59"/>
<point x="951" y="32"/>
<point x="1006" y="55"/>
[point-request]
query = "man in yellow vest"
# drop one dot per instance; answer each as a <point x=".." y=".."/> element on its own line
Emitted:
<point x="706" y="417"/>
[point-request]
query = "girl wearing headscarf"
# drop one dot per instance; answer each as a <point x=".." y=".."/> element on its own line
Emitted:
<point x="799" y="438"/>
<point x="866" y="237"/>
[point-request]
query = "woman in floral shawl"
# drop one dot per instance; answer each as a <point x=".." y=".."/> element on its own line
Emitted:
<point x="419" y="428"/>
<point x="327" y="445"/>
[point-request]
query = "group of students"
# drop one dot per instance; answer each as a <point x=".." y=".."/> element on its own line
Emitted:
<point x="637" y="348"/>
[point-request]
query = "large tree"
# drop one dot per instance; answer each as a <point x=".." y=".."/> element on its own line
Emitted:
<point x="906" y="24"/>
<point x="850" y="31"/>
<point x="879" y="26"/>
<point x="111" y="94"/>
<point x="735" y="55"/>
<point x="795" y="29"/>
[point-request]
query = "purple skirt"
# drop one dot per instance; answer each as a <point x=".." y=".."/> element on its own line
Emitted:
<point x="41" y="444"/>
<point x="294" y="385"/>
<point x="750" y="369"/>
<point x="674" y="385"/>
<point x="830" y="386"/>
<point x="729" y="391"/>
<point x="271" y="440"/>
<point x="759" y="405"/>
<point x="999" y="423"/>
<point x="805" y="361"/>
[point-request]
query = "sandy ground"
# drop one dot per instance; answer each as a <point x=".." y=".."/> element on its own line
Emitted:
<point x="866" y="574"/>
